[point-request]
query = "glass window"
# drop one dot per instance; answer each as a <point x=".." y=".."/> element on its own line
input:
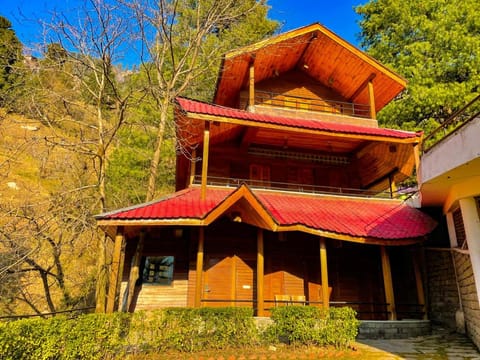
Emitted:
<point x="158" y="270"/>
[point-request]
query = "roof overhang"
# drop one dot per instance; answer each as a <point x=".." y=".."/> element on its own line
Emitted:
<point x="319" y="53"/>
<point x="368" y="221"/>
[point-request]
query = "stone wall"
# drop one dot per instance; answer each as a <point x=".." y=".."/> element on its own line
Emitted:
<point x="471" y="310"/>
<point x="442" y="291"/>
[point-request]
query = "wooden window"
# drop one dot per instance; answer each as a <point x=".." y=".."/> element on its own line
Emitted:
<point x="459" y="229"/>
<point x="158" y="270"/>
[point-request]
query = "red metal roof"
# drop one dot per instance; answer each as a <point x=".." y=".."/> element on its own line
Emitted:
<point x="198" y="107"/>
<point x="358" y="217"/>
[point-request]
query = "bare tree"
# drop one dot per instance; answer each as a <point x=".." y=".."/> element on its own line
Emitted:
<point x="181" y="46"/>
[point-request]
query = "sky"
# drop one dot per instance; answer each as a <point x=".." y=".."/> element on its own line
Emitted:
<point x="337" y="15"/>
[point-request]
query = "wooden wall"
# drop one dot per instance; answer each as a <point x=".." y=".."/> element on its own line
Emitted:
<point x="230" y="162"/>
<point x="291" y="268"/>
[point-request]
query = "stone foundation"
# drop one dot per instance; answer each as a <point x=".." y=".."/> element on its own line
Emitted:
<point x="390" y="329"/>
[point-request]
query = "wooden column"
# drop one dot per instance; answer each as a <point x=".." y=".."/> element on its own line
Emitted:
<point x="192" y="166"/>
<point x="134" y="271"/>
<point x="113" y="289"/>
<point x="388" y="284"/>
<point x="206" y="141"/>
<point x="199" y="269"/>
<point x="260" y="274"/>
<point x="419" y="283"/>
<point x="251" y="88"/>
<point x="393" y="186"/>
<point x="324" y="273"/>
<point x="371" y="100"/>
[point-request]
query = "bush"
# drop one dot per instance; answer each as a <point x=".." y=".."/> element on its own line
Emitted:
<point x="107" y="336"/>
<point x="309" y="325"/>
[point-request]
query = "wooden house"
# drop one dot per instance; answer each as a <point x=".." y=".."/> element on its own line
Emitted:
<point x="287" y="195"/>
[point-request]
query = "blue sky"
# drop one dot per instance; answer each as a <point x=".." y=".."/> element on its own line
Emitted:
<point x="338" y="16"/>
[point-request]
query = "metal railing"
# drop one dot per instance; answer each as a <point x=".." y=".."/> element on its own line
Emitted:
<point x="301" y="188"/>
<point x="456" y="121"/>
<point x="310" y="104"/>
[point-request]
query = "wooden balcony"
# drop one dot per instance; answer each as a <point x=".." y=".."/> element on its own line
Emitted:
<point x="288" y="105"/>
<point x="300" y="188"/>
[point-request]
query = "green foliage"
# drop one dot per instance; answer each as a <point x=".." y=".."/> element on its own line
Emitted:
<point x="435" y="45"/>
<point x="307" y="325"/>
<point x="104" y="336"/>
<point x="10" y="56"/>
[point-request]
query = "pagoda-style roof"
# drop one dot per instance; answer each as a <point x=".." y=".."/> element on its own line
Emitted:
<point x="227" y="119"/>
<point x="317" y="52"/>
<point x="364" y="220"/>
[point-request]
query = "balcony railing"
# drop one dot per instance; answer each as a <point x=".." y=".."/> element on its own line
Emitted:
<point x="308" y="104"/>
<point x="302" y="188"/>
<point x="458" y="119"/>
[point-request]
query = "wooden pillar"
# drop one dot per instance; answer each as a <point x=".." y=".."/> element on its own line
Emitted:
<point x="260" y="274"/>
<point x="113" y="289"/>
<point x="416" y="154"/>
<point x="388" y="284"/>
<point x="371" y="100"/>
<point x="199" y="269"/>
<point x="324" y="273"/>
<point x="134" y="271"/>
<point x="393" y="186"/>
<point x="192" y="166"/>
<point x="251" y="88"/>
<point x="206" y="141"/>
<point x="419" y="283"/>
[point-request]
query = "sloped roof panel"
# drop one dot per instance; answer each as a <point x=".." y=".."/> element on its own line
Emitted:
<point x="356" y="217"/>
<point x="197" y="107"/>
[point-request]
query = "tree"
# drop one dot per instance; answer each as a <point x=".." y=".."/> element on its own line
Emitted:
<point x="10" y="55"/>
<point x="435" y="45"/>
<point x="182" y="42"/>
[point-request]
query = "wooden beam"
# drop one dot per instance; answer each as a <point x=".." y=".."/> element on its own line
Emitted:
<point x="324" y="273"/>
<point x="260" y="274"/>
<point x="206" y="140"/>
<point x="192" y="167"/>
<point x="388" y="284"/>
<point x="251" y="88"/>
<point x="115" y="270"/>
<point x="362" y="87"/>
<point x="371" y="100"/>
<point x="199" y="269"/>
<point x="134" y="271"/>
<point x="419" y="283"/>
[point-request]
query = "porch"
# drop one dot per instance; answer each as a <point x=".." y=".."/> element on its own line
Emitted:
<point x="240" y="265"/>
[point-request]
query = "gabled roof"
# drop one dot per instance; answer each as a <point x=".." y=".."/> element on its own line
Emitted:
<point x="221" y="114"/>
<point x="375" y="221"/>
<point x="317" y="52"/>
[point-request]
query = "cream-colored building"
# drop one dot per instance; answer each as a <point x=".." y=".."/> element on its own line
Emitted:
<point x="449" y="178"/>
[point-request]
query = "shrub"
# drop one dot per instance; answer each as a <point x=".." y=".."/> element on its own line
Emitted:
<point x="314" y="326"/>
<point x="104" y="336"/>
